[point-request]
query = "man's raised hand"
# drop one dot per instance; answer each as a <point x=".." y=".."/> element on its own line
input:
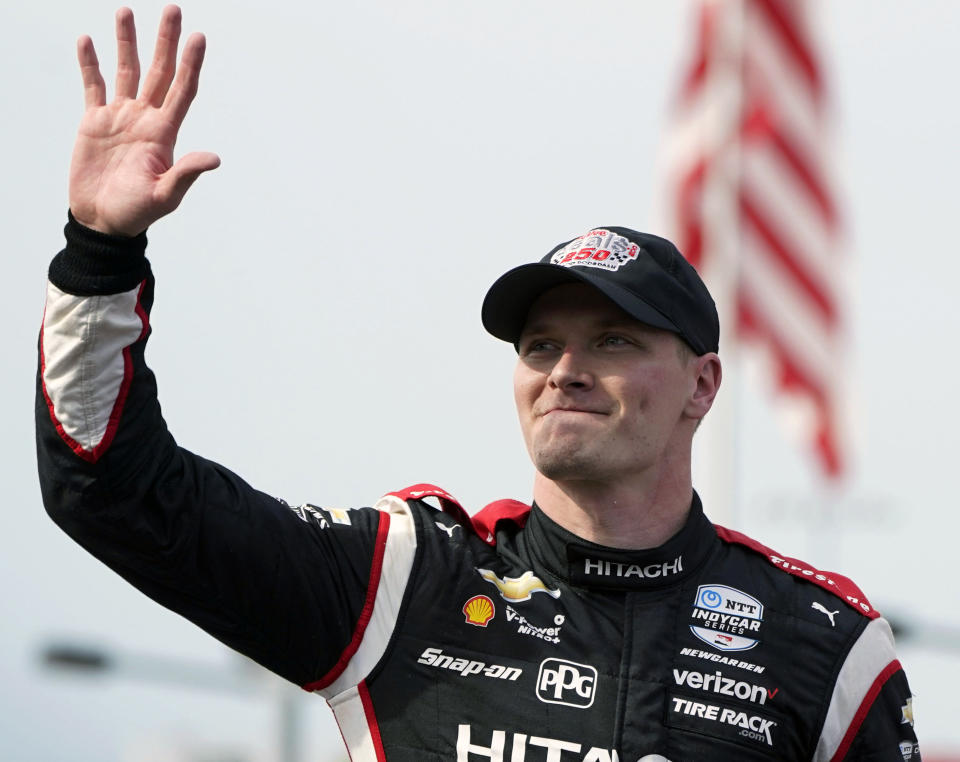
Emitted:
<point x="122" y="175"/>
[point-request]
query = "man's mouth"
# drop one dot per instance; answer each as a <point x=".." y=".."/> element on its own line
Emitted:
<point x="581" y="410"/>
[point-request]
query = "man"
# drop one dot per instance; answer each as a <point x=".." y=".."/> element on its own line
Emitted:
<point x="610" y="621"/>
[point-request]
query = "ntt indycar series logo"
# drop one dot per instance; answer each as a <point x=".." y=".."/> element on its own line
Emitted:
<point x="726" y="618"/>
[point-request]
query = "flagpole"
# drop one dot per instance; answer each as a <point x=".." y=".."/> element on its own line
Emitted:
<point x="718" y="470"/>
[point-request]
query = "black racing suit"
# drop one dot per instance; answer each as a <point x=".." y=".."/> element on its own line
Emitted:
<point x="436" y="636"/>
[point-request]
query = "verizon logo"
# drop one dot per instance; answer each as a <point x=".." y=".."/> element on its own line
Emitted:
<point x="724" y="686"/>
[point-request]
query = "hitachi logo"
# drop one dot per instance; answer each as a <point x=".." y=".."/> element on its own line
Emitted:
<point x="600" y="567"/>
<point x="725" y="686"/>
<point x="557" y="751"/>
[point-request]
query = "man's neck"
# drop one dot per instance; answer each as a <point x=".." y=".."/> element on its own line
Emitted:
<point x="621" y="515"/>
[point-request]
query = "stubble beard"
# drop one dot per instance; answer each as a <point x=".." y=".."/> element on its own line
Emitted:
<point x="568" y="461"/>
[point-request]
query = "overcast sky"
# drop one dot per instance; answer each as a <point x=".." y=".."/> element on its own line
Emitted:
<point x="317" y="328"/>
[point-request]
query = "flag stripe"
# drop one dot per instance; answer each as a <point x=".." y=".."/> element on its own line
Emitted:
<point x="806" y="172"/>
<point x="773" y="187"/>
<point x="777" y="246"/>
<point x="690" y="237"/>
<point x="697" y="70"/>
<point x="768" y="76"/>
<point x="792" y="378"/>
<point x="808" y="339"/>
<point x="782" y="18"/>
<point x="750" y="202"/>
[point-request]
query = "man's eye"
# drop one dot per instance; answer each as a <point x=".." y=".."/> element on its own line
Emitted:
<point x="538" y="345"/>
<point x="614" y="340"/>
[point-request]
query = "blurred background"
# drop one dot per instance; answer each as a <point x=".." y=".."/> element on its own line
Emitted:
<point x="317" y="319"/>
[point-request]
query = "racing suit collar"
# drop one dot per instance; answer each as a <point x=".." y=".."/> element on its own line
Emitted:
<point x="587" y="564"/>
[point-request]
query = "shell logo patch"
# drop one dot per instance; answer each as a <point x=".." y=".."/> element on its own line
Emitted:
<point x="479" y="610"/>
<point x="518" y="589"/>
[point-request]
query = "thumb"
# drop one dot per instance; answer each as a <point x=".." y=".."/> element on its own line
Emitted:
<point x="177" y="180"/>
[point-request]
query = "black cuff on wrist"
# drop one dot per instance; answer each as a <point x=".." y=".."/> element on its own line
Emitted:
<point x="95" y="263"/>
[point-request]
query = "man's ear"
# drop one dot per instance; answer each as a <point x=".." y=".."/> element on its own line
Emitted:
<point x="708" y="375"/>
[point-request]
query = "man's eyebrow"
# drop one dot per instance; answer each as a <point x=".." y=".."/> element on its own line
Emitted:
<point x="529" y="328"/>
<point x="626" y="322"/>
<point x="621" y="323"/>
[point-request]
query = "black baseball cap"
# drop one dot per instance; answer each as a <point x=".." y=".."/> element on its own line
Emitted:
<point x="645" y="275"/>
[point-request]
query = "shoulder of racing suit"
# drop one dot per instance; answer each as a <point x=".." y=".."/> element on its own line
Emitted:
<point x="868" y="707"/>
<point x="838" y="585"/>
<point x="484" y="523"/>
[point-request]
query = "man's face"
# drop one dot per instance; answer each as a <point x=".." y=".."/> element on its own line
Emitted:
<point x="600" y="395"/>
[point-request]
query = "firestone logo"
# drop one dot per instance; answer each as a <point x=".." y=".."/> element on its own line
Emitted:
<point x="821" y="577"/>
<point x="599" y="248"/>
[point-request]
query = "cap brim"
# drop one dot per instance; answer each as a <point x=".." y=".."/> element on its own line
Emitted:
<point x="508" y="302"/>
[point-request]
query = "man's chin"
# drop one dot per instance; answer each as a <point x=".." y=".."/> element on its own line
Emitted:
<point x="558" y="466"/>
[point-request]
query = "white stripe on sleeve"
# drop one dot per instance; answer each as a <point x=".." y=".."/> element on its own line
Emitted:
<point x="870" y="655"/>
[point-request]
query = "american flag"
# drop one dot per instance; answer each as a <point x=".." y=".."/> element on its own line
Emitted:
<point x="749" y="199"/>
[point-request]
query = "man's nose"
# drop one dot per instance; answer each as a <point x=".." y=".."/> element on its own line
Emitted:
<point x="571" y="371"/>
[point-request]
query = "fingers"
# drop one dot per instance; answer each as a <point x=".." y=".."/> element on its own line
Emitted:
<point x="164" y="63"/>
<point x="177" y="180"/>
<point x="128" y="62"/>
<point x="185" y="85"/>
<point x="94" y="88"/>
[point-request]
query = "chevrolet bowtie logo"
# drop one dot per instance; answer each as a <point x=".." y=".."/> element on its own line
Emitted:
<point x="907" y="710"/>
<point x="517" y="589"/>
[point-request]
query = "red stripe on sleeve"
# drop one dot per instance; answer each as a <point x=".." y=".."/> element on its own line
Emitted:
<point x="376" y="566"/>
<point x="113" y="422"/>
<point x="371" y="721"/>
<point x="891" y="669"/>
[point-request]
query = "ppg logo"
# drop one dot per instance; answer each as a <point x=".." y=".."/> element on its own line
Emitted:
<point x="566" y="682"/>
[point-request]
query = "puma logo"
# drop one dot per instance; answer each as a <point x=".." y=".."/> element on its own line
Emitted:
<point x="822" y="609"/>
<point x="445" y="528"/>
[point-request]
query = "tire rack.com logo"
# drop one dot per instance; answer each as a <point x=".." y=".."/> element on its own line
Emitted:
<point x="566" y="682"/>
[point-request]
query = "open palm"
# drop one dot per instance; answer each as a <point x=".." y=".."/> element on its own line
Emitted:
<point x="123" y="175"/>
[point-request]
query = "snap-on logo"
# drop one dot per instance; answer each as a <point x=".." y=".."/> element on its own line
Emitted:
<point x="726" y="618"/>
<point x="598" y="248"/>
<point x="566" y="682"/>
